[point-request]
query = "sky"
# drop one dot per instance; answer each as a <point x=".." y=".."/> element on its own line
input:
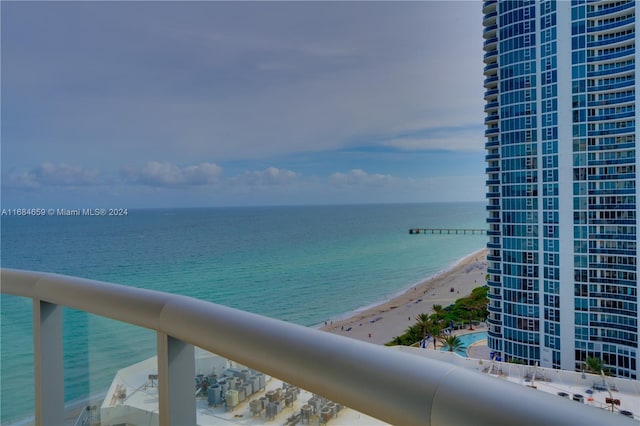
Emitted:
<point x="198" y="104"/>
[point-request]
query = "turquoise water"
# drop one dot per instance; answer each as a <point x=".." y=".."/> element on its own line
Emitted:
<point x="299" y="264"/>
<point x="468" y="340"/>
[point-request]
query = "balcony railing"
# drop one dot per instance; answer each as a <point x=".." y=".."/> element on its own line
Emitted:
<point x="392" y="386"/>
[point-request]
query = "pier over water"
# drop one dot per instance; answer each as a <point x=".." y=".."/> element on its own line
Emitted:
<point x="454" y="231"/>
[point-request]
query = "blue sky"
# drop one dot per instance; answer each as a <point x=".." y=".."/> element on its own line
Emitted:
<point x="169" y="104"/>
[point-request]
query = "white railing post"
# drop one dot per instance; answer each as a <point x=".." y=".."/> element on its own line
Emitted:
<point x="176" y="381"/>
<point x="49" y="364"/>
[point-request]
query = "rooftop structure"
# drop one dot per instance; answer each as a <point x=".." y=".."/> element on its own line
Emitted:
<point x="257" y="399"/>
<point x="225" y="394"/>
<point x="618" y="395"/>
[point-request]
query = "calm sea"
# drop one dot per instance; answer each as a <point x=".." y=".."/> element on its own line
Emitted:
<point x="299" y="264"/>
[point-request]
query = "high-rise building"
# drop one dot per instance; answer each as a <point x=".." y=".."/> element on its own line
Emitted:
<point x="560" y="80"/>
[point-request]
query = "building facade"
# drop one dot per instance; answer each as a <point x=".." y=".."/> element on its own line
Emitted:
<point x="560" y="81"/>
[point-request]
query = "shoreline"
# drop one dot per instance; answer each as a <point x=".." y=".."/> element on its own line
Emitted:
<point x="380" y="323"/>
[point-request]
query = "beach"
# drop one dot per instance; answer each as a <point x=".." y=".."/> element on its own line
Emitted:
<point x="381" y="323"/>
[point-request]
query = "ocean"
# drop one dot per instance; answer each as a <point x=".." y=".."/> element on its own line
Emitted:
<point x="304" y="265"/>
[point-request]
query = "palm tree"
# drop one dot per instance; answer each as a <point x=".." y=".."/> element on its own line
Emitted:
<point x="473" y="308"/>
<point x="438" y="311"/>
<point x="453" y="343"/>
<point x="435" y="331"/>
<point x="594" y="365"/>
<point x="423" y="322"/>
<point x="396" y="341"/>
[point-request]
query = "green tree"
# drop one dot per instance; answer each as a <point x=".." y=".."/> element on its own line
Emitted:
<point x="435" y="331"/>
<point x="456" y="312"/>
<point x="411" y="335"/>
<point x="473" y="308"/>
<point x="439" y="312"/>
<point x="594" y="365"/>
<point x="423" y="321"/>
<point x="453" y="343"/>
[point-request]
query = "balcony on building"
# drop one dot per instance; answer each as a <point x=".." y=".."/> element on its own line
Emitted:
<point x="489" y="5"/>
<point x="491" y="69"/>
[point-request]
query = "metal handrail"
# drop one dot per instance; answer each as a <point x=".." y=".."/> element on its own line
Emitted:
<point x="395" y="387"/>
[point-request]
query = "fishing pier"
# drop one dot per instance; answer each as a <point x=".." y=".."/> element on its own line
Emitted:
<point x="454" y="231"/>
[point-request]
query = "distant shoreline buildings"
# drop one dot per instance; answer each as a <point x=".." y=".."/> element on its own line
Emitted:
<point x="560" y="81"/>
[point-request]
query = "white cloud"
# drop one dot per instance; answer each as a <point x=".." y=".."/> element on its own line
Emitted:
<point x="167" y="174"/>
<point x="24" y="181"/>
<point x="268" y="177"/>
<point x="360" y="177"/>
<point x="50" y="174"/>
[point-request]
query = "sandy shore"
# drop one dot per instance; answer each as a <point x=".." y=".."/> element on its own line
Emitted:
<point x="380" y="324"/>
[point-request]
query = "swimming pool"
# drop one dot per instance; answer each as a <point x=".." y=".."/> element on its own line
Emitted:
<point x="468" y="340"/>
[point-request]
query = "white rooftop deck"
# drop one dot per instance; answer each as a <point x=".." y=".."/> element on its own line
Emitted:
<point x="133" y="398"/>
<point x="575" y="387"/>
